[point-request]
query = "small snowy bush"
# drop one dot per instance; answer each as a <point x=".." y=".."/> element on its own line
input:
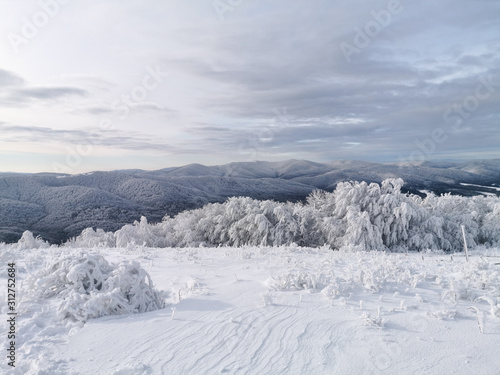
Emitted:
<point x="90" y="287"/>
<point x="91" y="238"/>
<point x="299" y="280"/>
<point x="28" y="241"/>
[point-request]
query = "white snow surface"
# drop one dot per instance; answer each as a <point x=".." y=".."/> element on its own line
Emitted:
<point x="272" y="310"/>
<point x="481" y="186"/>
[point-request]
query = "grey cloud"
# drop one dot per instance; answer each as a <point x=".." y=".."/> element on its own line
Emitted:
<point x="299" y="64"/>
<point x="89" y="80"/>
<point x="275" y="54"/>
<point x="17" y="92"/>
<point x="18" y="133"/>
<point x="208" y="129"/>
<point x="139" y="108"/>
<point x="38" y="133"/>
<point x="149" y="106"/>
<point x="96" y="110"/>
<point x="47" y="93"/>
<point x="10" y="79"/>
<point x="471" y="60"/>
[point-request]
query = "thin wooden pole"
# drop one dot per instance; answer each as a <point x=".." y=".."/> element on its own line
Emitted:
<point x="465" y="244"/>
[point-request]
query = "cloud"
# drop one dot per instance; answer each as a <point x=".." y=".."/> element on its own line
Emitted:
<point x="25" y="95"/>
<point x="89" y="80"/>
<point x="132" y="108"/>
<point x="398" y="87"/>
<point x="229" y="79"/>
<point x="95" y="110"/>
<point x="40" y="134"/>
<point x="114" y="139"/>
<point x="10" y="79"/>
<point x="149" y="106"/>
<point x="46" y="93"/>
<point x="18" y="92"/>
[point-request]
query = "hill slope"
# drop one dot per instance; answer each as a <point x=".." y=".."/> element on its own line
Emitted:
<point x="59" y="206"/>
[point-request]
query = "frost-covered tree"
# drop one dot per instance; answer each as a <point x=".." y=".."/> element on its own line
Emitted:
<point x="361" y="232"/>
<point x="490" y="229"/>
<point x="356" y="215"/>
<point x="141" y="233"/>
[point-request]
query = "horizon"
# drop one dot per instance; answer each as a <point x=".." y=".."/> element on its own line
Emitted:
<point x="413" y="164"/>
<point x="175" y="83"/>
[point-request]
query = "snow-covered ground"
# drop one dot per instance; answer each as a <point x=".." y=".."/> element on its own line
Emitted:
<point x="282" y="310"/>
<point x="488" y="187"/>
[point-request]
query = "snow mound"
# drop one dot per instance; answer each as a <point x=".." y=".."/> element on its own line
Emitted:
<point x="90" y="287"/>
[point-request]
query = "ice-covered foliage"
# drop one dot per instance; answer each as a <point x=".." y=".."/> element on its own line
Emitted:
<point x="379" y="272"/>
<point x="357" y="216"/>
<point x="94" y="238"/>
<point x="28" y="241"/>
<point x="89" y="287"/>
<point x="141" y="233"/>
<point x="489" y="231"/>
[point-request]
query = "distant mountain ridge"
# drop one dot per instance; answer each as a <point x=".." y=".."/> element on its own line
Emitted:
<point x="60" y="206"/>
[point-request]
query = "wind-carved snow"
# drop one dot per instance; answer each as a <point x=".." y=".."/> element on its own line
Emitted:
<point x="274" y="310"/>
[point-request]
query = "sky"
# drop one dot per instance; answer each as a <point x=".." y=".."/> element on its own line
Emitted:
<point x="92" y="85"/>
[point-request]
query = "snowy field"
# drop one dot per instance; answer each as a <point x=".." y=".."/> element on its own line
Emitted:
<point x="270" y="310"/>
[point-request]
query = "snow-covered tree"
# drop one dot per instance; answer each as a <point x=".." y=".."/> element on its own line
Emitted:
<point x="355" y="215"/>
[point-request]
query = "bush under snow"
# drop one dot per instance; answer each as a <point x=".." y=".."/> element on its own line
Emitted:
<point x="379" y="273"/>
<point x="356" y="216"/>
<point x="28" y="241"/>
<point x="90" y="287"/>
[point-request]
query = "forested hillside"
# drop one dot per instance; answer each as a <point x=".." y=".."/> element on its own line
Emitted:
<point x="355" y="216"/>
<point x="58" y="206"/>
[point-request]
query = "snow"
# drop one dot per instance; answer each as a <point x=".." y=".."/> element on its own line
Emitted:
<point x="272" y="310"/>
<point x="360" y="215"/>
<point x="59" y="206"/>
<point x="487" y="187"/>
<point x="425" y="191"/>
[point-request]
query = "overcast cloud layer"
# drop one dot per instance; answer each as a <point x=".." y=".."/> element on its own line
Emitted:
<point x="88" y="85"/>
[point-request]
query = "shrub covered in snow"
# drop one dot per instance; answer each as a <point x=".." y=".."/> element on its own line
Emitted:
<point x="357" y="216"/>
<point x="379" y="273"/>
<point x="93" y="238"/>
<point x="28" y="241"/>
<point x="90" y="287"/>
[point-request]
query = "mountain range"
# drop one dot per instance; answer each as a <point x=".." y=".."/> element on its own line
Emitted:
<point x="60" y="206"/>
